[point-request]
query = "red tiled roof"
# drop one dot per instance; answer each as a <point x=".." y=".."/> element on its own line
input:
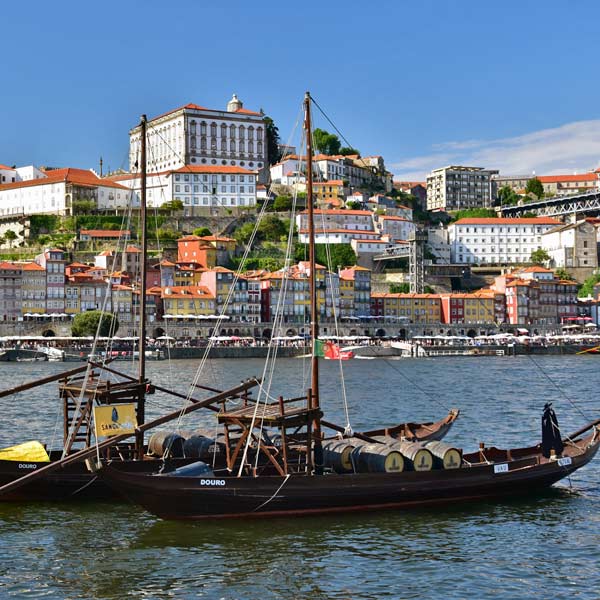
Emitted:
<point x="325" y="211"/>
<point x="213" y="169"/>
<point x="104" y="232"/>
<point x="509" y="221"/>
<point x="33" y="266"/>
<point x="341" y="230"/>
<point x="567" y="178"/>
<point x="81" y="177"/>
<point x="5" y="168"/>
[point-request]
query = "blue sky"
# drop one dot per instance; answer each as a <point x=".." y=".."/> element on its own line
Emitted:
<point x="508" y="85"/>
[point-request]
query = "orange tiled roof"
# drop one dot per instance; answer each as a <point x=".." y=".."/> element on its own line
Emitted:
<point x="213" y="169"/>
<point x="568" y="178"/>
<point x="104" y="232"/>
<point x="508" y="221"/>
<point x="81" y="177"/>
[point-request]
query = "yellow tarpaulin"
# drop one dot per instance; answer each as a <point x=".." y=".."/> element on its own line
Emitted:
<point x="26" y="452"/>
<point x="114" y="419"/>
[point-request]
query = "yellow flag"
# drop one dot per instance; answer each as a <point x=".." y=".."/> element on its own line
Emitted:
<point x="114" y="419"/>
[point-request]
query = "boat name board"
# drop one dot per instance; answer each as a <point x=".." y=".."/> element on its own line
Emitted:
<point x="212" y="482"/>
<point x="565" y="461"/>
<point x="27" y="466"/>
<point x="501" y="468"/>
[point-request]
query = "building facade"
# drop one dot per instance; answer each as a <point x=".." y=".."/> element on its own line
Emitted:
<point x="458" y="188"/>
<point x="497" y="241"/>
<point x="194" y="136"/>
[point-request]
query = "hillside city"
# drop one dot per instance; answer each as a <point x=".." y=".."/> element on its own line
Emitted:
<point x="69" y="237"/>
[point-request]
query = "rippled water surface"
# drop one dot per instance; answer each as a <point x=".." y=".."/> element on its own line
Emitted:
<point x="540" y="547"/>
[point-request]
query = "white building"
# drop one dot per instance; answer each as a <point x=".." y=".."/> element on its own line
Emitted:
<point x="497" y="241"/>
<point x="56" y="191"/>
<point x="458" y="188"/>
<point x="397" y="228"/>
<point x="197" y="136"/>
<point x="572" y="245"/>
<point x="199" y="187"/>
<point x="337" y="226"/>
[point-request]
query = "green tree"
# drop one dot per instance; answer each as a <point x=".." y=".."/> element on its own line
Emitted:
<point x="563" y="274"/>
<point x="353" y="205"/>
<point x="508" y="196"/>
<point x="243" y="234"/>
<point x="341" y="255"/>
<point x="167" y="235"/>
<point x="282" y="203"/>
<point x="10" y="236"/>
<point x="399" y="288"/>
<point x="326" y="142"/>
<point x="473" y="213"/>
<point x="534" y="186"/>
<point x="587" y="289"/>
<point x="347" y="151"/>
<point x="273" y="152"/>
<point x="539" y="256"/>
<point x="83" y="207"/>
<point x="86" y="323"/>
<point x="202" y="231"/>
<point x="271" y="228"/>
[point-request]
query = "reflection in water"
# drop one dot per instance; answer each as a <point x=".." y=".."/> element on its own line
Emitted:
<point x="484" y="550"/>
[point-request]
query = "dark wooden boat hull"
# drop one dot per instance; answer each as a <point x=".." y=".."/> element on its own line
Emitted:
<point x="75" y="482"/>
<point x="227" y="497"/>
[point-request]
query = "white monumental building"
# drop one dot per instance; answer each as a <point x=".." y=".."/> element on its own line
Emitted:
<point x="497" y="241"/>
<point x="198" y="136"/>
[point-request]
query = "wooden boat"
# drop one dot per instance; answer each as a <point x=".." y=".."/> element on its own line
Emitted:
<point x="302" y="473"/>
<point x="488" y="474"/>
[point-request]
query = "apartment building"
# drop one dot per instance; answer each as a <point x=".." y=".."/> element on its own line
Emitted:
<point x="458" y="188"/>
<point x="11" y="281"/>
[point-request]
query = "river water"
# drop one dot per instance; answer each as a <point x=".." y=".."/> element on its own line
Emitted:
<point x="540" y="547"/>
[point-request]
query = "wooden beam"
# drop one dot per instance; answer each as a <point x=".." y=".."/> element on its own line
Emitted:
<point x="31" y="384"/>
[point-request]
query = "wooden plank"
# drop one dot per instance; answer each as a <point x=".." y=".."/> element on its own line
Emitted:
<point x="31" y="384"/>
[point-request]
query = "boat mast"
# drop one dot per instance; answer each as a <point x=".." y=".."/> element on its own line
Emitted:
<point x="142" y="329"/>
<point x="314" y="312"/>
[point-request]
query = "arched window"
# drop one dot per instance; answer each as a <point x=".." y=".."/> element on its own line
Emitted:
<point x="232" y="146"/>
<point x="203" y="143"/>
<point x="251" y="147"/>
<point x="259" y="147"/>
<point x="242" y="132"/>
<point x="232" y="131"/>
<point x="203" y="128"/>
<point x="259" y="133"/>
<point x="223" y="145"/>
<point x="193" y="142"/>
<point x="223" y="130"/>
<point x="213" y="129"/>
<point x="241" y="145"/>
<point x="193" y="127"/>
<point x="213" y="143"/>
<point x="251" y="133"/>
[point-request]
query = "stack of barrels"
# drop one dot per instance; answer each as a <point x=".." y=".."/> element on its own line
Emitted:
<point x="191" y="444"/>
<point x="388" y="455"/>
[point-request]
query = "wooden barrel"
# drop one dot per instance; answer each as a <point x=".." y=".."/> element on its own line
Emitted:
<point x="166" y="443"/>
<point x="377" y="458"/>
<point x="200" y="446"/>
<point x="337" y="455"/>
<point x="419" y="457"/>
<point x="445" y="456"/>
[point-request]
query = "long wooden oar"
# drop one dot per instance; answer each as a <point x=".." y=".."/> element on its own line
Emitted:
<point x="87" y="452"/>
